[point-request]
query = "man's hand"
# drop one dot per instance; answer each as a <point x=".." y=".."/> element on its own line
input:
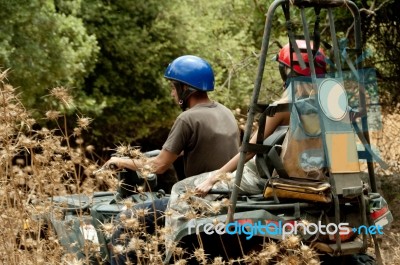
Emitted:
<point x="114" y="163"/>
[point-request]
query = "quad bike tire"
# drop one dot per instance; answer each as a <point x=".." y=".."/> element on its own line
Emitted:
<point x="355" y="259"/>
<point x="361" y="259"/>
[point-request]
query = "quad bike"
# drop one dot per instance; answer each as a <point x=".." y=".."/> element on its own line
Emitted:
<point x="346" y="200"/>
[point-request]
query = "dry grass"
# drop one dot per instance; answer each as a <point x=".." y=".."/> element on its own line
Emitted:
<point x="37" y="163"/>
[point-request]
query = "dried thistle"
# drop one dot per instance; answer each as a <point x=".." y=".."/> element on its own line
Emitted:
<point x="84" y="122"/>
<point x="53" y="115"/>
<point x="27" y="142"/>
<point x="72" y="261"/>
<point x="131" y="223"/>
<point x="180" y="262"/>
<point x="128" y="203"/>
<point x="125" y="150"/>
<point x="215" y="221"/>
<point x="135" y="244"/>
<point x="189" y="215"/>
<point x="146" y="170"/>
<point x="196" y="205"/>
<point x="134" y="152"/>
<point x="218" y="261"/>
<point x="272" y="249"/>
<point x="290" y="260"/>
<point x="215" y="207"/>
<point x="90" y="148"/>
<point x="184" y="197"/>
<point x="118" y="249"/>
<point x="291" y="242"/>
<point x="142" y="212"/>
<point x="63" y="95"/>
<point x="225" y="202"/>
<point x="108" y="228"/>
<point x="308" y="253"/>
<point x="200" y="255"/>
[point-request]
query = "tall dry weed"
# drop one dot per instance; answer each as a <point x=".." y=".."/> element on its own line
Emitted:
<point x="35" y="164"/>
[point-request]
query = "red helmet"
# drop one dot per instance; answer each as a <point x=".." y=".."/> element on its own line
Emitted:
<point x="319" y="62"/>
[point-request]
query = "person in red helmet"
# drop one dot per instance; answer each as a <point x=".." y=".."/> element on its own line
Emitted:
<point x="283" y="58"/>
<point x="223" y="178"/>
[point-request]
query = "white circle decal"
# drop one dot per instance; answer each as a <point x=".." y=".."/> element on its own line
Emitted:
<point x="332" y="98"/>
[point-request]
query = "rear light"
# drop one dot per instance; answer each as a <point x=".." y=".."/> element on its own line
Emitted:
<point x="378" y="213"/>
<point x="343" y="236"/>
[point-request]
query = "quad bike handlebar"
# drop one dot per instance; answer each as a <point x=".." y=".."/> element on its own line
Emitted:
<point x="131" y="179"/>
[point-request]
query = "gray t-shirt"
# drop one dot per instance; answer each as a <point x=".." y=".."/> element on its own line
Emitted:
<point x="209" y="136"/>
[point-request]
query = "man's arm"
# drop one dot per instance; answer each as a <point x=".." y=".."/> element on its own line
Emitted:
<point x="163" y="161"/>
<point x="158" y="164"/>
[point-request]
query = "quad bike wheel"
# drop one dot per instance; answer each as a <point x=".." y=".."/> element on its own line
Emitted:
<point x="356" y="259"/>
<point x="361" y="259"/>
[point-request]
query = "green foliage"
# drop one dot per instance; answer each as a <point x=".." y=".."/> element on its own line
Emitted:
<point x="381" y="32"/>
<point x="131" y="45"/>
<point x="222" y="32"/>
<point x="137" y="40"/>
<point x="113" y="55"/>
<point x="43" y="48"/>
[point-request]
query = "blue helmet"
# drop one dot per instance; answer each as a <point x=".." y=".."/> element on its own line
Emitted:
<point x="192" y="71"/>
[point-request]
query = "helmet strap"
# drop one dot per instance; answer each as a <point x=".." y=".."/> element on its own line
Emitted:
<point x="183" y="96"/>
<point x="282" y="71"/>
<point x="285" y="73"/>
